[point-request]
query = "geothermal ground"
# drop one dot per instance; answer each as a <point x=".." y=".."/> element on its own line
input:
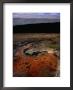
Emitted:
<point x="36" y="55"/>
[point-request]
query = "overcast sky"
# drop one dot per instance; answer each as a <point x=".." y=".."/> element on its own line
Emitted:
<point x="27" y="18"/>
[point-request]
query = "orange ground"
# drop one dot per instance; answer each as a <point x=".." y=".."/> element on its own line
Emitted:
<point x="41" y="65"/>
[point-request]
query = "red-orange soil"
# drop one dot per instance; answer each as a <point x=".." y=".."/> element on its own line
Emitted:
<point x="36" y="66"/>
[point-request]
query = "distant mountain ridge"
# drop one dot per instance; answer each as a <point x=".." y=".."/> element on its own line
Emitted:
<point x="22" y="21"/>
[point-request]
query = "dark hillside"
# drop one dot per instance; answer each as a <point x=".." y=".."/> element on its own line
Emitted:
<point x="37" y="28"/>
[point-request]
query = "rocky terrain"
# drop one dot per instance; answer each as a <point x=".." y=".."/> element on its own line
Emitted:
<point x="36" y="55"/>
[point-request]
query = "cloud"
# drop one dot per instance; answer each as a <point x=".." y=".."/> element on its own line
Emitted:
<point x="37" y="15"/>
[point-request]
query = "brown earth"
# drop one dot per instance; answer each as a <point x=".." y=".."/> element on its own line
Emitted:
<point x="44" y="64"/>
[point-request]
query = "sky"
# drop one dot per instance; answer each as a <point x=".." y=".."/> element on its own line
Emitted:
<point x="28" y="18"/>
